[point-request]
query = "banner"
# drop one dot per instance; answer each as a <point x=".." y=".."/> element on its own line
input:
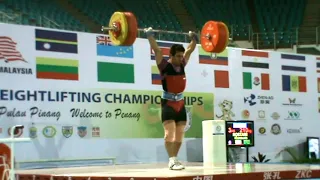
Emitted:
<point x="74" y="90"/>
<point x="113" y="113"/>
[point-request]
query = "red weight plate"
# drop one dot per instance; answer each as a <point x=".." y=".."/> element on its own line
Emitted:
<point x="210" y="28"/>
<point x="219" y="34"/>
<point x="5" y="152"/>
<point x="223" y="37"/>
<point x="132" y="30"/>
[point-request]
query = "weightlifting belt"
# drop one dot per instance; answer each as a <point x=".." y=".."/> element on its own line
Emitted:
<point x="172" y="96"/>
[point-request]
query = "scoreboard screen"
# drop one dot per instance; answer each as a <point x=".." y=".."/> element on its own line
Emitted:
<point x="240" y="133"/>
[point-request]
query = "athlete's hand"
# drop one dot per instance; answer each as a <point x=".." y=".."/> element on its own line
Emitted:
<point x="193" y="36"/>
<point x="149" y="31"/>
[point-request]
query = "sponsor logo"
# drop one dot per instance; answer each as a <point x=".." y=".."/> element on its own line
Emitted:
<point x="262" y="131"/>
<point x="10" y="57"/>
<point x="33" y="131"/>
<point x="200" y="178"/>
<point x="251" y="100"/>
<point x="218" y="131"/>
<point x="82" y="131"/>
<point x="49" y="131"/>
<point x="275" y="115"/>
<point x="265" y="99"/>
<point x="67" y="131"/>
<point x="261" y="115"/>
<point x="275" y="129"/>
<point x="17" y="132"/>
<point x="255" y="99"/>
<point x="293" y="115"/>
<point x="304" y="174"/>
<point x="272" y="175"/>
<point x="218" y="128"/>
<point x="96" y="132"/>
<point x="294" y="131"/>
<point x="245" y="114"/>
<point x="291" y="102"/>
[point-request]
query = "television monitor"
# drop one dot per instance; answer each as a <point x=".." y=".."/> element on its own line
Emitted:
<point x="313" y="147"/>
<point x="240" y="133"/>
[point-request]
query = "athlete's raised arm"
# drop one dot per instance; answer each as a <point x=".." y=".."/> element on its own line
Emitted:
<point x="191" y="46"/>
<point x="154" y="45"/>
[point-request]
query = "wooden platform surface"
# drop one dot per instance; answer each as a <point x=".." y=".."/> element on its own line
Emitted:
<point x="193" y="171"/>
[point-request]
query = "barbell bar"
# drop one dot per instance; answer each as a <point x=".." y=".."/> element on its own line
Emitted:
<point x="115" y="28"/>
<point x="153" y="30"/>
<point x="123" y="30"/>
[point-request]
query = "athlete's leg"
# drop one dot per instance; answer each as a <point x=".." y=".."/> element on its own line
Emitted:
<point x="169" y="136"/>
<point x="179" y="134"/>
<point x="169" y="124"/>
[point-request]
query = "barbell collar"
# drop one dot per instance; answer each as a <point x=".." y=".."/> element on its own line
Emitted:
<point x="107" y="28"/>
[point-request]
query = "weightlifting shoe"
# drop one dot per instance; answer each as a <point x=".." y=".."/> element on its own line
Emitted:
<point x="174" y="164"/>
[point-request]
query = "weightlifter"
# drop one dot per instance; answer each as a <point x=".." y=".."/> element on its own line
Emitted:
<point x="174" y="116"/>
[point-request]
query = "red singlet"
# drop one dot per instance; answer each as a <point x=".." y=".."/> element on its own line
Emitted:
<point x="173" y="81"/>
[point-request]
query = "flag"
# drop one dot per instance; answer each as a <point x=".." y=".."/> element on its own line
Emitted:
<point x="257" y="60"/>
<point x="256" y="54"/>
<point x="318" y="85"/>
<point x="294" y="83"/>
<point x="319" y="104"/>
<point x="221" y="79"/>
<point x="56" y="41"/>
<point x="261" y="80"/>
<point x="8" y="50"/>
<point x="255" y="65"/>
<point x="208" y="58"/>
<point x="115" y="72"/>
<point x="54" y="68"/>
<point x="165" y="48"/>
<point x="292" y="59"/>
<point x="155" y="75"/>
<point x="105" y="48"/>
<point x="293" y="68"/>
<point x="318" y="64"/>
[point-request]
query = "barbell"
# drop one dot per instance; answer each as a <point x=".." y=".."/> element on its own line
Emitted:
<point x="123" y="30"/>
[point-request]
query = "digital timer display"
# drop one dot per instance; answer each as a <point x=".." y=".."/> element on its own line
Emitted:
<point x="240" y="133"/>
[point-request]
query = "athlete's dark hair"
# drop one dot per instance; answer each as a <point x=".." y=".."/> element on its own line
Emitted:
<point x="176" y="48"/>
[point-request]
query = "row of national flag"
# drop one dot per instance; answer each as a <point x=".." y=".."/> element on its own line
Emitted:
<point x="67" y="42"/>
<point x="260" y="60"/>
<point x="68" y="69"/>
<point x="250" y="60"/>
